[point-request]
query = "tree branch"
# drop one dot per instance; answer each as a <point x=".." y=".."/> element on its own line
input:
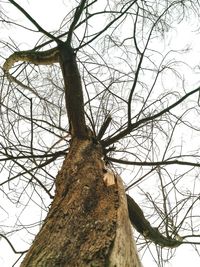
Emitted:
<point x="11" y="245"/>
<point x="104" y="127"/>
<point x="143" y="226"/>
<point x="155" y="163"/>
<point x="77" y="15"/>
<point x="120" y="135"/>
<point x="73" y="91"/>
<point x="33" y="21"/>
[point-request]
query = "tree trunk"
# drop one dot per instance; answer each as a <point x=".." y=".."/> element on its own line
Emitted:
<point x="87" y="224"/>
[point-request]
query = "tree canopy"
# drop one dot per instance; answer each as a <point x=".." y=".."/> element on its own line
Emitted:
<point x="138" y="63"/>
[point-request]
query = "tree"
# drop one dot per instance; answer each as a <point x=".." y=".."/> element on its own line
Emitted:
<point x="122" y="111"/>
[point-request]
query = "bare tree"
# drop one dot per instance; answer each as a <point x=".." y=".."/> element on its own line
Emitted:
<point x="130" y="113"/>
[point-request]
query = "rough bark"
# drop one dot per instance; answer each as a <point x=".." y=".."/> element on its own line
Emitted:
<point x="87" y="224"/>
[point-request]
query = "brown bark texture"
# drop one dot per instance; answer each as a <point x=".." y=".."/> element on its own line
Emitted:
<point x="87" y="224"/>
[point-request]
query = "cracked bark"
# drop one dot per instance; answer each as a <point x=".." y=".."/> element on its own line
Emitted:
<point x="87" y="224"/>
